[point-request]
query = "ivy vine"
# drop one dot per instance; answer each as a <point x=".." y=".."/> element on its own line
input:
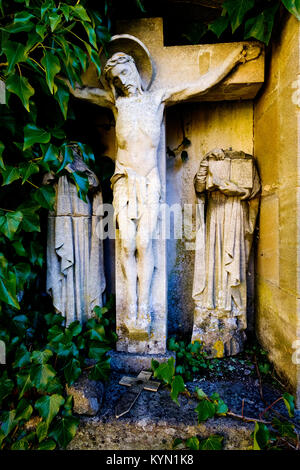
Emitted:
<point x="245" y="19"/>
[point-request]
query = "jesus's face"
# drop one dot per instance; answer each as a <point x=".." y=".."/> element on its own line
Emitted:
<point x="125" y="78"/>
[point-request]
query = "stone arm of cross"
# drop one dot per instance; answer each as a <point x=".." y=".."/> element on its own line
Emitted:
<point x="93" y="95"/>
<point x="242" y="54"/>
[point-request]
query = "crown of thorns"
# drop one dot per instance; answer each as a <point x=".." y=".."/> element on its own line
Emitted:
<point x="117" y="58"/>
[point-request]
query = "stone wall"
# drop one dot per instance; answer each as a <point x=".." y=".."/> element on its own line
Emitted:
<point x="207" y="126"/>
<point x="276" y="147"/>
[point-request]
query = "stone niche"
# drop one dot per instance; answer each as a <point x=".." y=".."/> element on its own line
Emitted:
<point x="265" y="124"/>
<point x="223" y="119"/>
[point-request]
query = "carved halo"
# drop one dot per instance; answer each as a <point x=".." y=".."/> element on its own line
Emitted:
<point x="137" y="50"/>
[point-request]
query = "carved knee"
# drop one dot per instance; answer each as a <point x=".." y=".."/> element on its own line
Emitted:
<point x="143" y="244"/>
<point x="128" y="247"/>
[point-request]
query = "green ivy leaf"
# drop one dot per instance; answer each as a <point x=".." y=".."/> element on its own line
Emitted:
<point x="49" y="444"/>
<point x="2" y="147"/>
<point x="21" y="87"/>
<point x="96" y="60"/>
<point x="284" y="428"/>
<point x="41" y="375"/>
<point x="66" y="9"/>
<point x="91" y="34"/>
<point x="8" y="421"/>
<point x="213" y="442"/>
<point x="55" y="334"/>
<point x="68" y="157"/>
<point x="23" y="272"/>
<point x="29" y="170"/>
<point x="51" y="154"/>
<point x="45" y="196"/>
<point x="64" y="430"/>
<point x="97" y="333"/>
<point x="9" y="223"/>
<point x="72" y="371"/>
<point x="36" y="255"/>
<point x="260" y="27"/>
<point x="52" y="67"/>
<point x="222" y="408"/>
<point x="24" y="383"/>
<point x="261" y="436"/>
<point x="293" y="6"/>
<point x="18" y="246"/>
<point x="237" y="11"/>
<point x="41" y="30"/>
<point x="35" y="135"/>
<point x="81" y="56"/>
<point x="87" y="153"/>
<point x="31" y="220"/>
<point x="75" y="328"/>
<point x="48" y="407"/>
<point x="177" y="442"/>
<point x="8" y="289"/>
<point x="177" y="387"/>
<point x="80" y="12"/>
<point x="192" y="443"/>
<point x="82" y="184"/>
<point x="19" y="27"/>
<point x="6" y="387"/>
<point x="24" y="410"/>
<point x="205" y="410"/>
<point x="45" y="7"/>
<point x="200" y="394"/>
<point x="166" y="371"/>
<point x="289" y="402"/>
<point x="10" y="174"/>
<point x="54" y="19"/>
<point x="23" y="17"/>
<point x="22" y="357"/>
<point x="15" y="53"/>
<point x="62" y="97"/>
<point x="42" y="431"/>
<point x="101" y="370"/>
<point x="21" y="444"/>
<point x="98" y="353"/>
<point x="41" y="357"/>
<point x="219" y="25"/>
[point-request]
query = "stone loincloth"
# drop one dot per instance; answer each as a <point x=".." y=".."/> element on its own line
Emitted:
<point x="134" y="192"/>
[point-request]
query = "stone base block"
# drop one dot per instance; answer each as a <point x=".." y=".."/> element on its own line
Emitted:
<point x="132" y="363"/>
<point x="155" y="420"/>
<point x="87" y="395"/>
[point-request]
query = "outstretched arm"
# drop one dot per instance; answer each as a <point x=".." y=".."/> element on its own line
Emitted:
<point x="93" y="95"/>
<point x="210" y="79"/>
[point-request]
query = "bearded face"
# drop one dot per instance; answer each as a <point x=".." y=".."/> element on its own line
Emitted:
<point x="123" y="74"/>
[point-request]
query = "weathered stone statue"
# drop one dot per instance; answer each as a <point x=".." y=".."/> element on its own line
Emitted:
<point x="227" y="187"/>
<point x="136" y="182"/>
<point x="75" y="270"/>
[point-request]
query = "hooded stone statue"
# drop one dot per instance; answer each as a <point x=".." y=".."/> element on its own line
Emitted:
<point x="75" y="271"/>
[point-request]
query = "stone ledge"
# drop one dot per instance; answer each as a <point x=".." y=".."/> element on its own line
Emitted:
<point x="132" y="363"/>
<point x="155" y="420"/>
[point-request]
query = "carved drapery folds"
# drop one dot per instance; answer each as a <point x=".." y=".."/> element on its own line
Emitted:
<point x="227" y="186"/>
<point x="75" y="266"/>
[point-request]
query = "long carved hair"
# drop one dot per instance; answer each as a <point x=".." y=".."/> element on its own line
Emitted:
<point x="121" y="58"/>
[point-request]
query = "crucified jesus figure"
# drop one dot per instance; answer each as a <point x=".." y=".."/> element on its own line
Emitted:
<point x="136" y="180"/>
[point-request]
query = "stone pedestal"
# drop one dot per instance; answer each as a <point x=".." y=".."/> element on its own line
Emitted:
<point x="132" y="363"/>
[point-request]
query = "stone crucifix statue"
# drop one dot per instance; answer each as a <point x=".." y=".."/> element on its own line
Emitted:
<point x="136" y="181"/>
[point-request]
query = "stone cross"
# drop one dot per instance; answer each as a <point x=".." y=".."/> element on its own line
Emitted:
<point x="173" y="68"/>
<point x="137" y="385"/>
